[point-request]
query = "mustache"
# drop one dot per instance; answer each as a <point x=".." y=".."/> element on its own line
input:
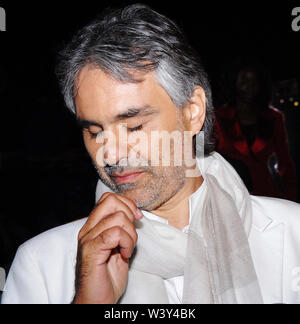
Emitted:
<point x="111" y="169"/>
<point x="119" y="168"/>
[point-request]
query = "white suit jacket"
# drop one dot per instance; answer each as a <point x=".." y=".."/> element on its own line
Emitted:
<point x="43" y="270"/>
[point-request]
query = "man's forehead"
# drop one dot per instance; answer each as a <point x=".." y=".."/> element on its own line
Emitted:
<point x="92" y="73"/>
<point x="97" y="89"/>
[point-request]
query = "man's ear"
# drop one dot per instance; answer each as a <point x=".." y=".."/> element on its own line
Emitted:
<point x="195" y="111"/>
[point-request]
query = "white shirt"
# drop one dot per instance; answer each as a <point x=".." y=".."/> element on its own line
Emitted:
<point x="174" y="286"/>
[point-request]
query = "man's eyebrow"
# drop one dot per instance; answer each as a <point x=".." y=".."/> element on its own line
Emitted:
<point x="136" y="111"/>
<point x="129" y="113"/>
<point x="83" y="123"/>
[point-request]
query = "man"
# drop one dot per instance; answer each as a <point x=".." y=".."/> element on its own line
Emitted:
<point x="164" y="230"/>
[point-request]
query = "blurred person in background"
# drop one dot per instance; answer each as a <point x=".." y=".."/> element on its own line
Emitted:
<point x="252" y="136"/>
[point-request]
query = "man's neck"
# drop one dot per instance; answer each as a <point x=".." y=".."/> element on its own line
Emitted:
<point x="176" y="209"/>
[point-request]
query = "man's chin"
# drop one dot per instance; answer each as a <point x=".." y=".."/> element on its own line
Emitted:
<point x="138" y="197"/>
<point x="125" y="188"/>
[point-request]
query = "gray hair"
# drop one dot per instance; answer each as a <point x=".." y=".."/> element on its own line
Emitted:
<point x="136" y="38"/>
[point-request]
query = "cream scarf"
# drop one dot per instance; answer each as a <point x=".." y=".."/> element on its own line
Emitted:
<point x="214" y="257"/>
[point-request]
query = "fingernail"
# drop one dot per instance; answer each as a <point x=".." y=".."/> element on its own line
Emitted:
<point x="139" y="214"/>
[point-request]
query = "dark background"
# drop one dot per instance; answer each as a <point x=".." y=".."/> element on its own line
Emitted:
<point x="45" y="174"/>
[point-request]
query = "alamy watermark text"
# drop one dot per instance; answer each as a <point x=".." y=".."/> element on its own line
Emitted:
<point x="296" y="20"/>
<point x="2" y="19"/>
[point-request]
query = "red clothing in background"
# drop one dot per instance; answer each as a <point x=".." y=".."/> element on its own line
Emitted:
<point x="270" y="142"/>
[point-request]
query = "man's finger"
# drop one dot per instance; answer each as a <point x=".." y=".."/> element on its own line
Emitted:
<point x="110" y="205"/>
<point x="112" y="238"/>
<point x="117" y="219"/>
<point x="131" y="204"/>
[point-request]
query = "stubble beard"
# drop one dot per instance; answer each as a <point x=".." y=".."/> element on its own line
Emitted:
<point x="160" y="185"/>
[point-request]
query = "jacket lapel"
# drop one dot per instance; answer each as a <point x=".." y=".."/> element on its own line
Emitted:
<point x="267" y="249"/>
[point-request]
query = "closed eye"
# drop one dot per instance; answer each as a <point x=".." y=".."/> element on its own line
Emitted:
<point x="134" y="129"/>
<point x="94" y="135"/>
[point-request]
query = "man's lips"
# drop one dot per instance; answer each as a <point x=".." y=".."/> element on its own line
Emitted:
<point x="126" y="177"/>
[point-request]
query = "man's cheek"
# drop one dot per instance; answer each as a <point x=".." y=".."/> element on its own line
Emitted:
<point x="94" y="150"/>
<point x="87" y="143"/>
<point x="99" y="155"/>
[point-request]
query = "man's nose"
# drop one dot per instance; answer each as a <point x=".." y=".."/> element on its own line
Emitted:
<point x="116" y="146"/>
